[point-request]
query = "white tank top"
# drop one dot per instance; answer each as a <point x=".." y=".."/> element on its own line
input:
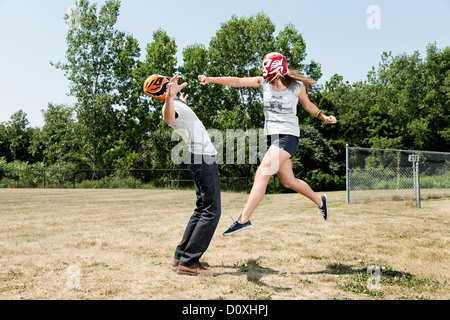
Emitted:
<point x="280" y="109"/>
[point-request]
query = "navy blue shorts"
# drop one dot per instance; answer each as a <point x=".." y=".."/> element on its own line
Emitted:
<point x="284" y="141"/>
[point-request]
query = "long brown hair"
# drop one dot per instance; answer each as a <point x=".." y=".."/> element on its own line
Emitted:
<point x="295" y="75"/>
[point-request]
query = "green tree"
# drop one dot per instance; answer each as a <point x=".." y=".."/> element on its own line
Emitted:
<point x="237" y="50"/>
<point x="291" y="44"/>
<point x="316" y="162"/>
<point x="435" y="106"/>
<point x="403" y="104"/>
<point x="59" y="137"/>
<point x="160" y="58"/>
<point x="4" y="143"/>
<point x="411" y="107"/>
<point x="17" y="137"/>
<point x="99" y="58"/>
<point x="18" y="141"/>
<point x="143" y="119"/>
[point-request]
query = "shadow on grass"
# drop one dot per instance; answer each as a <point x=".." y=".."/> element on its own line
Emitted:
<point x="337" y="269"/>
<point x="254" y="271"/>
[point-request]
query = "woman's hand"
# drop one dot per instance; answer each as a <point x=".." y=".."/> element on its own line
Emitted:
<point x="203" y="79"/>
<point x="331" y="120"/>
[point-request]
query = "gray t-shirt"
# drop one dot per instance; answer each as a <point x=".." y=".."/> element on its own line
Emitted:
<point x="192" y="130"/>
<point x="280" y="109"/>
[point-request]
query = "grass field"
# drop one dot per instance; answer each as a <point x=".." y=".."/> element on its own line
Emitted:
<point x="119" y="244"/>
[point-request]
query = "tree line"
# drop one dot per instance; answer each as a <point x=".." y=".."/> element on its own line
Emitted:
<point x="402" y="104"/>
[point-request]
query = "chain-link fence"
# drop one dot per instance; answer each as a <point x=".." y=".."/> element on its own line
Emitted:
<point x="398" y="175"/>
<point x="110" y="179"/>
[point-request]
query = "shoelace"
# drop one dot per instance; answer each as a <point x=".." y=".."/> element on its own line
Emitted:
<point x="234" y="221"/>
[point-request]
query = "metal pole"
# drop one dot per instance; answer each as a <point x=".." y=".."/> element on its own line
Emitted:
<point x="415" y="180"/>
<point x="418" y="185"/>
<point x="347" y="173"/>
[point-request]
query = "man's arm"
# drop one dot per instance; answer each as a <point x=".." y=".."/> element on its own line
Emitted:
<point x="173" y="88"/>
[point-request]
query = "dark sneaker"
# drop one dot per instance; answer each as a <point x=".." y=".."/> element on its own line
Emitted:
<point x="324" y="209"/>
<point x="236" y="227"/>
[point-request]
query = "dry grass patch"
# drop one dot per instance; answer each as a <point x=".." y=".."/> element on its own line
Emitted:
<point x="122" y="243"/>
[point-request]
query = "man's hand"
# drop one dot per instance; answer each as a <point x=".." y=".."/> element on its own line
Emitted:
<point x="173" y="87"/>
<point x="172" y="90"/>
<point x="184" y="97"/>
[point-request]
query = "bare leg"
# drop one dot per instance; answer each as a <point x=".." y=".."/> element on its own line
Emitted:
<point x="274" y="158"/>
<point x="288" y="179"/>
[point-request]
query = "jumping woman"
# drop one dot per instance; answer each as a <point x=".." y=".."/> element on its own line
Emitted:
<point x="282" y="90"/>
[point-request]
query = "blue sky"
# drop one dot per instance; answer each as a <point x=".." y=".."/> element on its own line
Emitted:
<point x="33" y="32"/>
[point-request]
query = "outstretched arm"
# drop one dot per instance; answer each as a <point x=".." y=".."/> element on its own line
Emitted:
<point x="172" y="90"/>
<point x="312" y="109"/>
<point x="254" y="82"/>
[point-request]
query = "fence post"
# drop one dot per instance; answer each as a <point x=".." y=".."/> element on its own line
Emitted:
<point x="418" y="185"/>
<point x="415" y="164"/>
<point x="347" y="183"/>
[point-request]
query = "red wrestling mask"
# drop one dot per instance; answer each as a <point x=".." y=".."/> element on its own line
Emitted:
<point x="272" y="64"/>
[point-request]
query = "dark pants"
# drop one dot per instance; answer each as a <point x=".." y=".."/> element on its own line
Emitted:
<point x="206" y="216"/>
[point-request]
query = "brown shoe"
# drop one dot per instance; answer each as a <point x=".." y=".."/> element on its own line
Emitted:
<point x="195" y="270"/>
<point x="176" y="262"/>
